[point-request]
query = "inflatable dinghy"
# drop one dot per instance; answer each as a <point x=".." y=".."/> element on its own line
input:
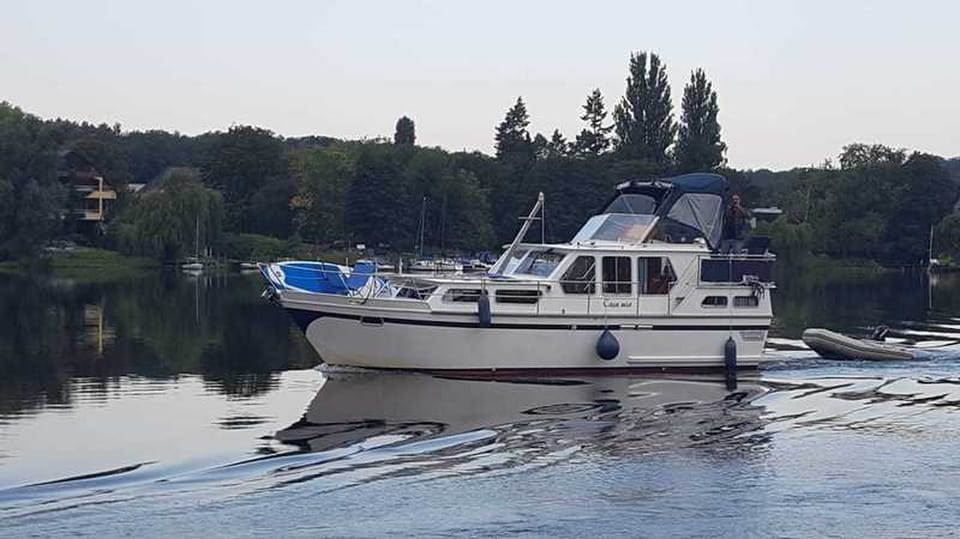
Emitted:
<point x="833" y="345"/>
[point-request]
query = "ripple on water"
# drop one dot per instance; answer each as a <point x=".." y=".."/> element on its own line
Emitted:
<point x="362" y="429"/>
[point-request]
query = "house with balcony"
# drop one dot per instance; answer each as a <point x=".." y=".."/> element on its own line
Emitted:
<point x="90" y="196"/>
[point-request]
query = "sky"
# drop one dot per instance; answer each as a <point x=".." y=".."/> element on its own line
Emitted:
<point x="796" y="81"/>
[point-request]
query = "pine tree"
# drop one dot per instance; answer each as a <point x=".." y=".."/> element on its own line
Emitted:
<point x="558" y="145"/>
<point x="541" y="146"/>
<point x="699" y="146"/>
<point x="644" y="117"/>
<point x="405" y="132"/>
<point x="629" y="114"/>
<point x="595" y="139"/>
<point x="513" y="139"/>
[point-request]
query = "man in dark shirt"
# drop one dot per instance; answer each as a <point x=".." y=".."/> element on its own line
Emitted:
<point x="736" y="222"/>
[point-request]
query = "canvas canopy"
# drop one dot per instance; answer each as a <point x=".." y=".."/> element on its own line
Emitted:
<point x="691" y="203"/>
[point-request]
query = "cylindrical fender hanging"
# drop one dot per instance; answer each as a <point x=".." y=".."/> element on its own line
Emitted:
<point x="607" y="345"/>
<point x="483" y="309"/>
<point x="730" y="363"/>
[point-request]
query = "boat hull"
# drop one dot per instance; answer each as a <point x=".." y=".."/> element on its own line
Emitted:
<point x="367" y="338"/>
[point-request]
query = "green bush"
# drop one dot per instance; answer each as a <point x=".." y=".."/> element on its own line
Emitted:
<point x="259" y="248"/>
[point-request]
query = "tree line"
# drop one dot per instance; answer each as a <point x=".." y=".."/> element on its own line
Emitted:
<point x="246" y="187"/>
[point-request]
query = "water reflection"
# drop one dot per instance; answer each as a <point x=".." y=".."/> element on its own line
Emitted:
<point x="919" y="308"/>
<point x="161" y="325"/>
<point x="852" y="299"/>
<point x="605" y="414"/>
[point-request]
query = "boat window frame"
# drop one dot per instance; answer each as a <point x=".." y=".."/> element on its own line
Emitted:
<point x="515" y="259"/>
<point x="517" y="296"/>
<point x="628" y="229"/>
<point x="577" y="286"/>
<point x="618" y="287"/>
<point x="532" y="253"/>
<point x="461" y="295"/>
<point x="644" y="279"/>
<point x="714" y="304"/>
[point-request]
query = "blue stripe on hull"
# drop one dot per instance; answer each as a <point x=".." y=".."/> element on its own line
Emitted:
<point x="303" y="318"/>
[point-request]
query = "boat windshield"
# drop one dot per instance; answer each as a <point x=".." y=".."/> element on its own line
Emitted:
<point x="515" y="257"/>
<point x="634" y="203"/>
<point x="539" y="263"/>
<point x="615" y="227"/>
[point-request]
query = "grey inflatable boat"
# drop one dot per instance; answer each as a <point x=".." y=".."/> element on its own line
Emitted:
<point x="832" y="345"/>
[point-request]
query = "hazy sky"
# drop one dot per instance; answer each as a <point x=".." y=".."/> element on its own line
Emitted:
<point x="796" y="80"/>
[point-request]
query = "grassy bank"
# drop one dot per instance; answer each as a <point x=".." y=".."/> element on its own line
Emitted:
<point x="81" y="263"/>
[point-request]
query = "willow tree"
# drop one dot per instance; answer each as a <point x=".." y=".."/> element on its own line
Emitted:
<point x="172" y="219"/>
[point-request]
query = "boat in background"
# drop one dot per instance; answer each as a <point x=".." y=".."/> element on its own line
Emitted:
<point x="643" y="284"/>
<point x="435" y="265"/>
<point x="832" y="345"/>
<point x="323" y="278"/>
<point x="193" y="264"/>
<point x="475" y="265"/>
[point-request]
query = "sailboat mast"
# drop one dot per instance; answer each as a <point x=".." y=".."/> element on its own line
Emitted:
<point x="423" y="213"/>
<point x="196" y="239"/>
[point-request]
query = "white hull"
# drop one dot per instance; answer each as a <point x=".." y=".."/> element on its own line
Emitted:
<point x="361" y="336"/>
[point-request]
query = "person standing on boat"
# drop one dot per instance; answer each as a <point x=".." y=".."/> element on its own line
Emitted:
<point x="736" y="222"/>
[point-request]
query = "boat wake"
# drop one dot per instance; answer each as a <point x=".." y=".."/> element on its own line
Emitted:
<point x="364" y="428"/>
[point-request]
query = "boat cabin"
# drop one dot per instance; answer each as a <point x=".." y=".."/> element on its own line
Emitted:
<point x="654" y="249"/>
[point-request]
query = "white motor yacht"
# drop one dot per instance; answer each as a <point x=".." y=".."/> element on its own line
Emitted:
<point x="642" y="285"/>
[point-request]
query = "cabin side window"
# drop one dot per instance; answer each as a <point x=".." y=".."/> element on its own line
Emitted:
<point x="714" y="302"/>
<point x="462" y="295"/>
<point x="616" y="275"/>
<point x="509" y="295"/>
<point x="655" y="275"/>
<point x="580" y="277"/>
<point x="745" y="301"/>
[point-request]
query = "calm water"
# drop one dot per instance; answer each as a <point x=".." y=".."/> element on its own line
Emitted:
<point x="175" y="406"/>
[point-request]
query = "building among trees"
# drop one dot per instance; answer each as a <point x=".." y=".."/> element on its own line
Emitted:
<point x="89" y="199"/>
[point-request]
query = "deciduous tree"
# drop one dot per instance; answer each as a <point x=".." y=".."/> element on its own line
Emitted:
<point x="405" y="132"/>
